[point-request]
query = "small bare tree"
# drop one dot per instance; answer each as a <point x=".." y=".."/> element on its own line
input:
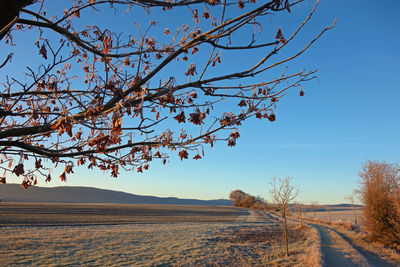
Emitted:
<point x="283" y="192"/>
<point x="314" y="207"/>
<point x="299" y="210"/>
<point x="350" y="198"/>
<point x="330" y="214"/>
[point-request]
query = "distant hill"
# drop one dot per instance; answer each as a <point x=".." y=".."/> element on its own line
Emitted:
<point x="72" y="194"/>
<point x="347" y="205"/>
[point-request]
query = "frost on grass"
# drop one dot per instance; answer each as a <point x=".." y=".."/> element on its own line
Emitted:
<point x="252" y="240"/>
<point x="119" y="245"/>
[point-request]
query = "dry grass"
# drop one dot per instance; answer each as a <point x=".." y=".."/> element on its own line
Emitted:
<point x="231" y="238"/>
<point x="303" y="252"/>
<point x="177" y="244"/>
<point x="116" y="245"/>
<point x="304" y="249"/>
<point x="312" y="254"/>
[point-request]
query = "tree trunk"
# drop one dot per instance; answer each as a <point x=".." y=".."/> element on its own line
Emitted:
<point x="285" y="235"/>
<point x="9" y="10"/>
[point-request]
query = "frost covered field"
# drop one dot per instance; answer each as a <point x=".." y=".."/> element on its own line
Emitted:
<point x="119" y="245"/>
<point x="339" y="215"/>
<point x="140" y="235"/>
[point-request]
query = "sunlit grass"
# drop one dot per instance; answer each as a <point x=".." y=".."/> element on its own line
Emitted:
<point x="161" y="235"/>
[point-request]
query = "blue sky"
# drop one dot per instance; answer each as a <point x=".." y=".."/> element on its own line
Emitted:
<point x="349" y="115"/>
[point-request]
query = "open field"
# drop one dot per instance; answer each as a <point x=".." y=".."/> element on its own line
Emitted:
<point x="117" y="245"/>
<point x="181" y="244"/>
<point x="84" y="214"/>
<point x="149" y="235"/>
<point x="342" y="214"/>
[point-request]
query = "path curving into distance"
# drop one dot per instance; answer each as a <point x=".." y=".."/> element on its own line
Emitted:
<point x="256" y="216"/>
<point x="338" y="251"/>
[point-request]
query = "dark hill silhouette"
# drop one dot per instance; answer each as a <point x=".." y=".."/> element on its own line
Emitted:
<point x="72" y="194"/>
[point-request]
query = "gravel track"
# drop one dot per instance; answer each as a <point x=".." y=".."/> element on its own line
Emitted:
<point x="339" y="251"/>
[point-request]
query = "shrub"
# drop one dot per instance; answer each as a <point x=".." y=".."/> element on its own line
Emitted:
<point x="380" y="193"/>
<point x="244" y="200"/>
<point x="237" y="197"/>
<point x="248" y="201"/>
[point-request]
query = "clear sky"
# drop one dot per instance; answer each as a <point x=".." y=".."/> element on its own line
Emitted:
<point x="349" y="115"/>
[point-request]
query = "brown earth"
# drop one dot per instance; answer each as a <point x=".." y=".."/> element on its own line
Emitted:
<point x="95" y="214"/>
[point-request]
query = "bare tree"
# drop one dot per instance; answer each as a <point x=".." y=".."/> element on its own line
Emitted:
<point x="114" y="97"/>
<point x="351" y="199"/>
<point x="283" y="192"/>
<point x="330" y="214"/>
<point x="299" y="210"/>
<point x="314" y="206"/>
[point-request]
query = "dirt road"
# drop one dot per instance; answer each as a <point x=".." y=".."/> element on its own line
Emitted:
<point x="338" y="251"/>
<point x="256" y="216"/>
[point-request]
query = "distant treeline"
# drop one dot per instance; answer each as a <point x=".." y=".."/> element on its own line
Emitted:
<point x="244" y="200"/>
